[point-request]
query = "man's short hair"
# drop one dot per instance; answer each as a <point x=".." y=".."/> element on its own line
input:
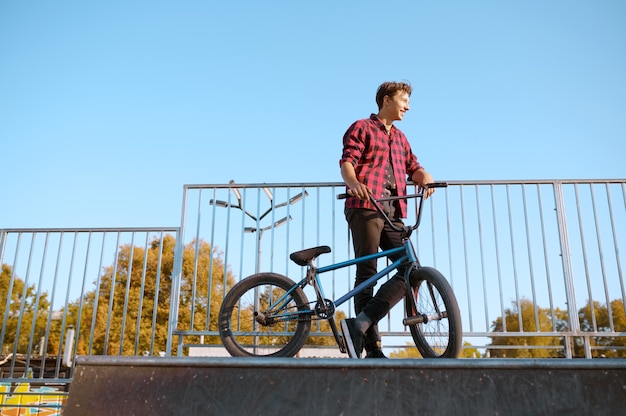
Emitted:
<point x="391" y="88"/>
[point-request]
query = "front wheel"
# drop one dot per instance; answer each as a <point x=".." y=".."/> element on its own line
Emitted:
<point x="265" y="315"/>
<point x="436" y="325"/>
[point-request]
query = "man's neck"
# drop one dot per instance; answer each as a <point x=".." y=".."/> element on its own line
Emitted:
<point x="387" y="121"/>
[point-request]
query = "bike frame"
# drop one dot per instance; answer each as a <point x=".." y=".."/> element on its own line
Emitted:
<point x="408" y="256"/>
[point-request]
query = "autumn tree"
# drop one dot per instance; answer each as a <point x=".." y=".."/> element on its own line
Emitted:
<point x="20" y="300"/>
<point x="322" y="326"/>
<point x="411" y="351"/>
<point x="596" y="317"/>
<point x="128" y="311"/>
<point x="533" y="319"/>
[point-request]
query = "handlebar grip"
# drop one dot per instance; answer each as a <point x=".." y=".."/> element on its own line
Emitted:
<point x="436" y="185"/>
<point x="426" y="186"/>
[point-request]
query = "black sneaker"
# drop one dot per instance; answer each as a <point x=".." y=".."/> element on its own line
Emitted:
<point x="375" y="354"/>
<point x="353" y="337"/>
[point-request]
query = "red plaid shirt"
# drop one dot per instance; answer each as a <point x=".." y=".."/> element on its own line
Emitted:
<point x="366" y="146"/>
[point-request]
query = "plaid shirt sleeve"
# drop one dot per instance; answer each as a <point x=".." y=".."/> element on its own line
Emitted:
<point x="367" y="146"/>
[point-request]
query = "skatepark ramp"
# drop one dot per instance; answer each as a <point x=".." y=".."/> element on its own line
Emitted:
<point x="280" y="386"/>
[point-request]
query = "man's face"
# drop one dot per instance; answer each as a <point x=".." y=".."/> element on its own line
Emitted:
<point x="398" y="105"/>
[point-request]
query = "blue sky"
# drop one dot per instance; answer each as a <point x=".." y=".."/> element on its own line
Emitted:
<point x="108" y="108"/>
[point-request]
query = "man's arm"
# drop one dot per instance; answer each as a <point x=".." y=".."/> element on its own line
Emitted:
<point x="355" y="188"/>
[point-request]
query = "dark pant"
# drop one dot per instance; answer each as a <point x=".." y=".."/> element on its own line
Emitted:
<point x="369" y="232"/>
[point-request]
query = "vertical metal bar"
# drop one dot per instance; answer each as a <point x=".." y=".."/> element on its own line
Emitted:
<point x="273" y="228"/>
<point x="209" y="277"/>
<point x="176" y="278"/>
<point x="7" y="307"/>
<point x="288" y="226"/>
<point x="620" y="276"/>
<point x="211" y="248"/>
<point x="67" y="300"/>
<point x="545" y="257"/>
<point x="112" y="295"/>
<point x="318" y="208"/>
<point x="303" y="216"/>
<point x="194" y="277"/>
<point x="36" y="306"/>
<point x="513" y="258"/>
<point x="82" y="295"/>
<point x="465" y="257"/>
<point x="3" y="240"/>
<point x="157" y="289"/>
<point x="97" y="295"/>
<point x="129" y="278"/>
<point x="607" y="298"/>
<point x="482" y="256"/>
<point x="333" y="239"/>
<point x="242" y="241"/>
<point x="449" y="234"/>
<point x="259" y="233"/>
<point x="433" y="234"/>
<point x="530" y="260"/>
<point x="141" y="294"/>
<point x="566" y="259"/>
<point x="52" y="300"/>
<point x="498" y="266"/>
<point x="585" y="261"/>
<point x="18" y="329"/>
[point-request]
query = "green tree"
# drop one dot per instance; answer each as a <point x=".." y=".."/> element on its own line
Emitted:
<point x="533" y="319"/>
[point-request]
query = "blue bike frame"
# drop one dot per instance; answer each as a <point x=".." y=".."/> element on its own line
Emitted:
<point x="408" y="256"/>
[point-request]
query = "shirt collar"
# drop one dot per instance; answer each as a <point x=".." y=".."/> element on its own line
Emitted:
<point x="380" y="124"/>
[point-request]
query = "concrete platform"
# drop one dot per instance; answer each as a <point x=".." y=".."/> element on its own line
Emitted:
<point x="295" y="386"/>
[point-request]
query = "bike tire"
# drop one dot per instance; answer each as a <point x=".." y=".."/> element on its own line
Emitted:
<point x="244" y="336"/>
<point x="436" y="338"/>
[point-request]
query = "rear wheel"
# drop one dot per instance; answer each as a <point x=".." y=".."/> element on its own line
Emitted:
<point x="258" y="318"/>
<point x="436" y="325"/>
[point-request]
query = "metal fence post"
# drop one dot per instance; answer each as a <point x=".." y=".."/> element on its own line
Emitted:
<point x="572" y="310"/>
<point x="176" y="280"/>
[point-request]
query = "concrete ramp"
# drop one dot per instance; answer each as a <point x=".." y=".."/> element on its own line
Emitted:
<point x="294" y="386"/>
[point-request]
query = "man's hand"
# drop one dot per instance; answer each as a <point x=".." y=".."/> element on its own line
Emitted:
<point x="359" y="190"/>
<point x="421" y="178"/>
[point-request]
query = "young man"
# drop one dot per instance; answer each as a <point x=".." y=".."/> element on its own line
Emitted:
<point x="377" y="159"/>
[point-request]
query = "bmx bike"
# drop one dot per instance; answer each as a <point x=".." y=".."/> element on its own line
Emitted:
<point x="269" y="315"/>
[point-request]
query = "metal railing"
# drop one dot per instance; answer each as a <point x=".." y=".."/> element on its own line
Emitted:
<point x="535" y="266"/>
<point x="65" y="292"/>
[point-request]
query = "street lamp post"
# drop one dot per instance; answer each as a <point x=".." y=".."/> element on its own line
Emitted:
<point x="259" y="230"/>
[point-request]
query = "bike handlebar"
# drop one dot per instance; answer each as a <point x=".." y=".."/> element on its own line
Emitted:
<point x="407" y="229"/>
<point x="417" y="195"/>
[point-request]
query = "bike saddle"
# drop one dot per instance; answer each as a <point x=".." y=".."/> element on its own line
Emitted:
<point x="302" y="257"/>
